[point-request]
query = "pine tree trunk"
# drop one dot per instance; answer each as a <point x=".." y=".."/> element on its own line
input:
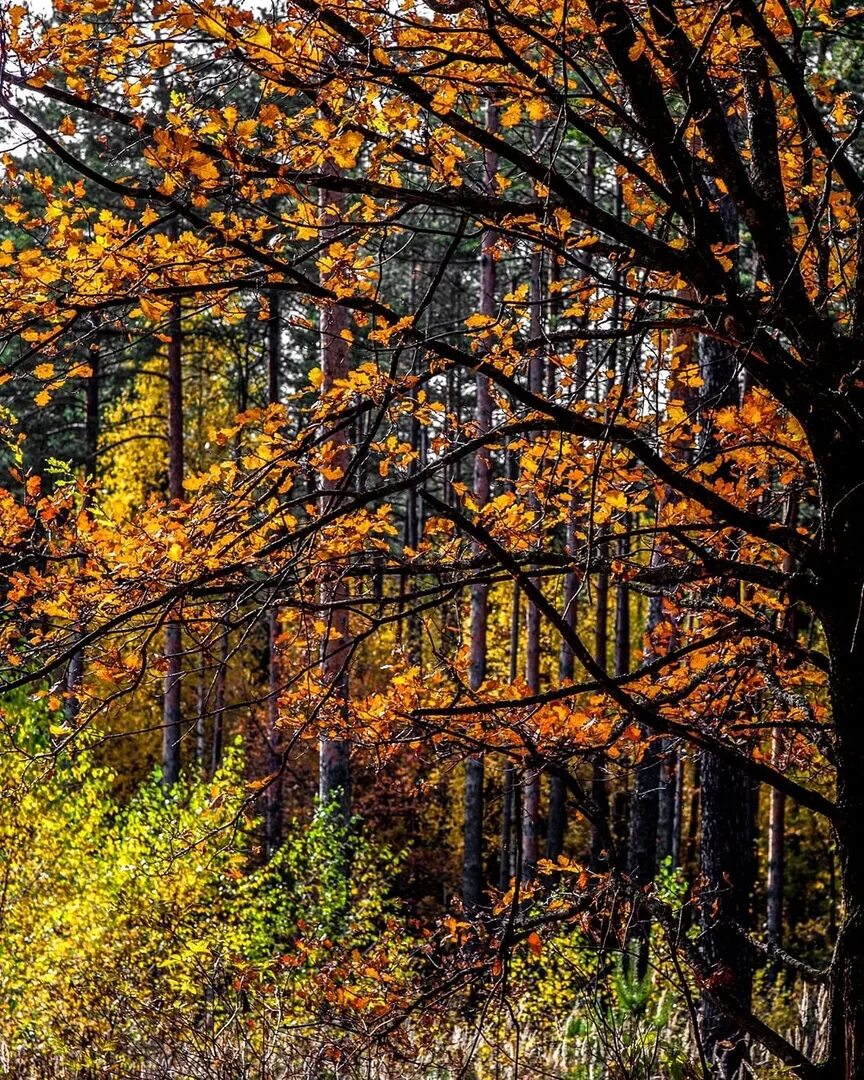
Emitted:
<point x="599" y="773"/>
<point x="472" y="857"/>
<point x="531" y="777"/>
<point x="506" y="862"/>
<point x="644" y="819"/>
<point x="172" y="714"/>
<point x="557" y="823"/>
<point x="776" y="851"/>
<point x="217" y="738"/>
<point x="274" y="792"/>
<point x="75" y="671"/>
<point x="334" y="777"/>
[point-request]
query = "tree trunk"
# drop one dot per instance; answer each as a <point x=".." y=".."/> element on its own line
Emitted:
<point x="727" y="859"/>
<point x="776" y="851"/>
<point x="172" y="714"/>
<point x="472" y="858"/>
<point x="531" y="777"/>
<point x="557" y="825"/>
<point x="777" y="803"/>
<point x="75" y="671"/>
<point x="334" y="777"/>
<point x="842" y="515"/>
<point x="219" y="702"/>
<point x="599" y="773"/>
<point x="509" y="798"/>
<point x="645" y="817"/>
<point x="274" y="792"/>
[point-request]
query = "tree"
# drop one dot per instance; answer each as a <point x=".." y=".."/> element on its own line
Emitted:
<point x="390" y="99"/>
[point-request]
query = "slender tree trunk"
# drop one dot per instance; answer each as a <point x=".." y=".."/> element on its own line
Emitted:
<point x="508" y="806"/>
<point x="777" y="800"/>
<point x="557" y="826"/>
<point x="274" y="792"/>
<point x="334" y="777"/>
<point x="531" y="777"/>
<point x="599" y="773"/>
<point x="776" y="850"/>
<point x="644" y="817"/>
<point x="172" y="714"/>
<point x="472" y="857"/>
<point x="669" y="809"/>
<point x="75" y="671"/>
<point x="219" y="702"/>
<point x="201" y="712"/>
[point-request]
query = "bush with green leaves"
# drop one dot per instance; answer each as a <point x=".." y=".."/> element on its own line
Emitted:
<point x="146" y="937"/>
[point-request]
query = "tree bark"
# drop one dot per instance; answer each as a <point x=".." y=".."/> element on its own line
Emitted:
<point x="172" y="712"/>
<point x="75" y="671"/>
<point x="334" y="776"/>
<point x="472" y="858"/>
<point x="599" y="773"/>
<point x="531" y="777"/>
<point x="727" y="859"/>
<point x="274" y="810"/>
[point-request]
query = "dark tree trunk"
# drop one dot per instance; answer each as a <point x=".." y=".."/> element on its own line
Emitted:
<point x="777" y="799"/>
<point x="217" y="737"/>
<point x="274" y="792"/>
<point x="75" y="671"/>
<point x="531" y="777"/>
<point x="506" y="866"/>
<point x="557" y="823"/>
<point x="669" y="809"/>
<point x="472" y="858"/>
<point x="727" y="860"/>
<point x="776" y="851"/>
<point x="841" y="592"/>
<point x="644" y="821"/>
<point x="599" y="773"/>
<point x="172" y="713"/>
<point x="728" y="865"/>
<point x="334" y="776"/>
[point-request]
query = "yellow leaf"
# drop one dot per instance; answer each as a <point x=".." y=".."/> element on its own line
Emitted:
<point x="212" y="27"/>
<point x="260" y="37"/>
<point x="511" y="115"/>
<point x="478" y="321"/>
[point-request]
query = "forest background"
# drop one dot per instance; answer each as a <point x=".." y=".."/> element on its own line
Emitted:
<point x="431" y="574"/>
